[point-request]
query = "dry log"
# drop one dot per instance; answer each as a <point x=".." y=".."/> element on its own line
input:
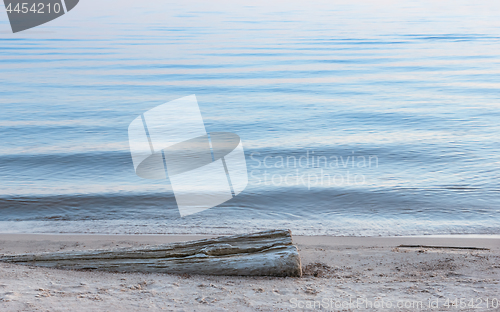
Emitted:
<point x="268" y="253"/>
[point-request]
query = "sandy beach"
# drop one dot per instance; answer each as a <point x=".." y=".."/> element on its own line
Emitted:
<point x="340" y="274"/>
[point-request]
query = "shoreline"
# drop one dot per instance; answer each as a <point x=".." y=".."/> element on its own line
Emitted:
<point x="443" y="236"/>
<point x="341" y="227"/>
<point x="24" y="243"/>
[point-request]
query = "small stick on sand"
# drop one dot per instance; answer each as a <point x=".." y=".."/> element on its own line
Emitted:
<point x="448" y="247"/>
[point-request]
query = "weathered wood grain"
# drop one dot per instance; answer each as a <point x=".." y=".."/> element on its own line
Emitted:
<point x="268" y="253"/>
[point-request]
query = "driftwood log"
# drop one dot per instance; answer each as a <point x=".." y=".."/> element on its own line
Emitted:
<point x="268" y="253"/>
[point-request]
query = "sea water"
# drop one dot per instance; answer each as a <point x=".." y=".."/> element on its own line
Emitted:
<point x="357" y="118"/>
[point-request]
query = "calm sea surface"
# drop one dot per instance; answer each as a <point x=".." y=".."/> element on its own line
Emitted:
<point x="366" y="118"/>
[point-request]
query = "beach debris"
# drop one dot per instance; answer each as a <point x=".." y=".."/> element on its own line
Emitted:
<point x="268" y="253"/>
<point x="447" y="247"/>
<point x="310" y="290"/>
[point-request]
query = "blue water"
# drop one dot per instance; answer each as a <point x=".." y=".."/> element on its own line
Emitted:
<point x="392" y="108"/>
